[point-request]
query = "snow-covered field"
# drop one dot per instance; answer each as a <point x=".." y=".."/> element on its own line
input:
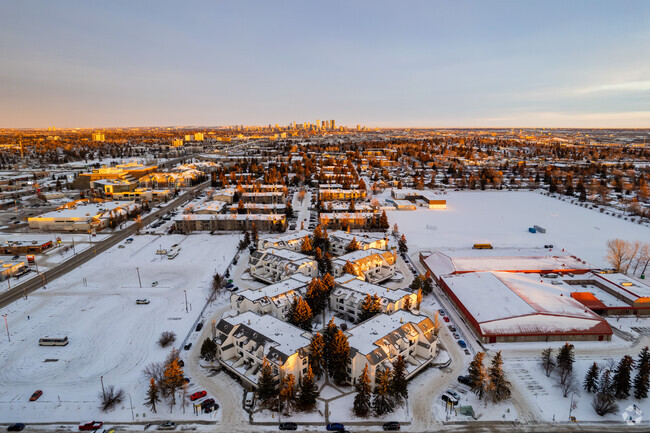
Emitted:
<point x="110" y="336"/>
<point x="503" y="218"/>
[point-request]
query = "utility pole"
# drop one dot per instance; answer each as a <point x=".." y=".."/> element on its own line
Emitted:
<point x="101" y="378"/>
<point x="139" y="280"/>
<point x="186" y="310"/>
<point x="7" y="326"/>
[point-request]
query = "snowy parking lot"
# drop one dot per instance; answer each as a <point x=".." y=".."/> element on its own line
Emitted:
<point x="110" y="335"/>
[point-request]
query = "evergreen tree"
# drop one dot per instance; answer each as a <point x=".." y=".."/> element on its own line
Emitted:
<point x="305" y="246"/>
<point x="591" y="378"/>
<point x="316" y="355"/>
<point x="547" y="361"/>
<point x="330" y="331"/>
<point x="395" y="231"/>
<point x="288" y="392"/>
<point x="339" y="349"/>
<point x="478" y="375"/>
<point x="352" y="246"/>
<point x="622" y="377"/>
<point x="267" y="386"/>
<point x="383" y="221"/>
<point x="427" y="287"/>
<point x="300" y="314"/>
<point x="407" y="303"/>
<point x="308" y="391"/>
<point x="418" y="299"/>
<point x="606" y="384"/>
<point x="399" y="384"/>
<point x="370" y="307"/>
<point x="152" y="395"/>
<point x="327" y="260"/>
<point x="348" y="268"/>
<point x="499" y="386"/>
<point x="173" y="379"/>
<point x="288" y="210"/>
<point x="401" y="244"/>
<point x="604" y="399"/>
<point x="208" y="350"/>
<point x="416" y="284"/>
<point x="254" y="236"/>
<point x="362" y="403"/>
<point x="565" y="360"/>
<point x="642" y="378"/>
<point x="316" y="296"/>
<point x="382" y="402"/>
<point x="329" y="282"/>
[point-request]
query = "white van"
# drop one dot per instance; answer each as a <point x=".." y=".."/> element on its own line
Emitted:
<point x="249" y="401"/>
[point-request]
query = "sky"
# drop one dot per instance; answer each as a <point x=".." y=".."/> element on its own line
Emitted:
<point x="382" y="64"/>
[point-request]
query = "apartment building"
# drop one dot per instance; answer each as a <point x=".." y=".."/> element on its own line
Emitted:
<point x="378" y="342"/>
<point x="339" y="241"/>
<point x="244" y="341"/>
<point x="275" y="299"/>
<point x="274" y="265"/>
<point x="371" y="265"/>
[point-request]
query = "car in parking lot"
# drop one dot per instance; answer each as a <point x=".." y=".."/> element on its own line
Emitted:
<point x="16" y="257"/>
<point x="230" y="286"/>
<point x="462" y="343"/>
<point x="465" y="380"/>
<point x="467" y="352"/>
<point x="36" y="395"/>
<point x="167" y="425"/>
<point x="206" y="402"/>
<point x="141" y="301"/>
<point x="197" y="395"/>
<point x="18" y="426"/>
<point x="154" y="284"/>
<point x="188" y="346"/>
<point x="441" y="311"/>
<point x="288" y="426"/>
<point x="445" y="318"/>
<point x="452" y="328"/>
<point x="453" y="394"/>
<point x="335" y="426"/>
<point x="94" y="425"/>
<point x="210" y="408"/>
<point x="456" y="336"/>
<point x="199" y="326"/>
<point x="391" y="426"/>
<point x="449" y="399"/>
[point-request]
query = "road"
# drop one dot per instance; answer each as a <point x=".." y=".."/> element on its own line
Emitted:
<point x="23" y="289"/>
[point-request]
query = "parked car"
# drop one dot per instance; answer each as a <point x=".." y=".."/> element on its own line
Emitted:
<point x="464" y="380"/>
<point x="446" y="319"/>
<point x="186" y="379"/>
<point x="141" y="301"/>
<point x="335" y="426"/>
<point x="467" y="352"/>
<point x="449" y="399"/>
<point x="288" y="426"/>
<point x="16" y="257"/>
<point x="198" y="395"/>
<point x="154" y="284"/>
<point x="453" y="394"/>
<point x="452" y="328"/>
<point x="36" y="395"/>
<point x="167" y="425"/>
<point x="199" y="326"/>
<point x="129" y="240"/>
<point x="121" y="246"/>
<point x="94" y="425"/>
<point x="441" y="311"/>
<point x="229" y="285"/>
<point x="210" y="408"/>
<point x="462" y="343"/>
<point x="456" y="336"/>
<point x="188" y="346"/>
<point x="19" y="426"/>
<point x="181" y="363"/>
<point x="390" y="426"/>
<point x="206" y="402"/>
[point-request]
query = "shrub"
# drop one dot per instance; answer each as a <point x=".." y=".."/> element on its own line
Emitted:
<point x="166" y="338"/>
<point x="110" y="398"/>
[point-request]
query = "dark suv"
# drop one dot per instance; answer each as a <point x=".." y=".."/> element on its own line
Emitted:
<point x="394" y="425"/>
<point x="288" y="426"/>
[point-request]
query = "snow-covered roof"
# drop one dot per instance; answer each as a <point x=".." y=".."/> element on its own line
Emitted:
<point x="518" y="303"/>
<point x="364" y="336"/>
<point x="286" y="339"/>
<point x="349" y="282"/>
<point x="290" y="284"/>
<point x="89" y="210"/>
<point x="444" y="262"/>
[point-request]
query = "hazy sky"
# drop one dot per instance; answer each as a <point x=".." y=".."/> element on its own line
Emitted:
<point x="430" y="63"/>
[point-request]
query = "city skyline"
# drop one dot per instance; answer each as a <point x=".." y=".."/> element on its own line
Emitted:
<point x="378" y="64"/>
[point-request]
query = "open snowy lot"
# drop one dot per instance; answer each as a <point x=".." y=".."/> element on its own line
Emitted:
<point x="503" y="218"/>
<point x="110" y="336"/>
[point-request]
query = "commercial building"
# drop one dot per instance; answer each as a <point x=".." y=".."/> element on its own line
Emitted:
<point x="330" y="194"/>
<point x="516" y="307"/>
<point x="428" y="199"/>
<point x="82" y="216"/>
<point x="229" y="222"/>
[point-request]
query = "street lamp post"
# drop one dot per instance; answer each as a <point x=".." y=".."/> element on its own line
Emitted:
<point x="101" y="378"/>
<point x="139" y="280"/>
<point x="7" y="326"/>
<point x="131" y="403"/>
<point x="186" y="309"/>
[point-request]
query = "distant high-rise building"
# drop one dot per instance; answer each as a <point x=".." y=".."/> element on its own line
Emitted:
<point x="198" y="136"/>
<point x="98" y="136"/>
<point x="358" y="127"/>
<point x="333" y="124"/>
<point x="318" y="124"/>
<point x="176" y="142"/>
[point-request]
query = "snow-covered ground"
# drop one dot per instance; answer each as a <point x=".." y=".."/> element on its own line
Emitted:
<point x="110" y="336"/>
<point x="503" y="218"/>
